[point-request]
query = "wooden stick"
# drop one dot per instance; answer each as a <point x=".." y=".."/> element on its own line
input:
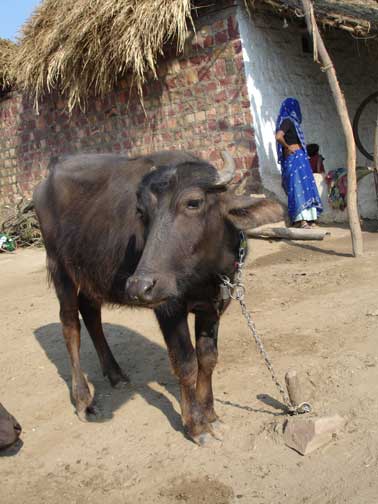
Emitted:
<point x="287" y="233"/>
<point x="327" y="66"/>
<point x="293" y="387"/>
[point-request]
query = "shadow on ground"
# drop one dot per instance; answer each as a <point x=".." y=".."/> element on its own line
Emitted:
<point x="143" y="361"/>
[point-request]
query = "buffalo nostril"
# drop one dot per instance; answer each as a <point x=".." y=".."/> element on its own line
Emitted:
<point x="139" y="288"/>
<point x="148" y="287"/>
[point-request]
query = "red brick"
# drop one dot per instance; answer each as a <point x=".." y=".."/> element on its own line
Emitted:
<point x="205" y="74"/>
<point x="239" y="62"/>
<point x="223" y="124"/>
<point x="211" y="86"/>
<point x="237" y="45"/>
<point x="220" y="69"/>
<point x="198" y="60"/>
<point x="221" y="37"/>
<point x="233" y="28"/>
<point x="212" y="124"/>
<point x="209" y="41"/>
<point x="122" y="97"/>
<point x="220" y="96"/>
<point x="219" y="25"/>
<point x="171" y="82"/>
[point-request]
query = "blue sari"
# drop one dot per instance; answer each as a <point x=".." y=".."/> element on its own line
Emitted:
<point x="297" y="178"/>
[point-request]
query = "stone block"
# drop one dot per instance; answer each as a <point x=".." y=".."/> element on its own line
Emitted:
<point x="307" y="434"/>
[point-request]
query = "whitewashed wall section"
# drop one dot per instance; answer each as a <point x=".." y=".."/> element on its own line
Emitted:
<point x="277" y="67"/>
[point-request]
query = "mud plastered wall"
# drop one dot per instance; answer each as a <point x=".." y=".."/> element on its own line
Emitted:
<point x="277" y="67"/>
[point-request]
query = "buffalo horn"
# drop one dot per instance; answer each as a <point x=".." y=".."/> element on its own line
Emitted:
<point x="228" y="173"/>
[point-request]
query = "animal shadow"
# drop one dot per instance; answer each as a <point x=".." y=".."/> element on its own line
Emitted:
<point x="143" y="360"/>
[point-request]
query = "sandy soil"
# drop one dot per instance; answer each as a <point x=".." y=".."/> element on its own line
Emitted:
<point x="316" y="308"/>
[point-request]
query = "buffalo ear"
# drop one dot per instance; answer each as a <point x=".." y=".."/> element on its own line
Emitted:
<point x="246" y="212"/>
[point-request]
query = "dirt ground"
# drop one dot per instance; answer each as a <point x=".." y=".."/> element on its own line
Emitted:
<point x="317" y="310"/>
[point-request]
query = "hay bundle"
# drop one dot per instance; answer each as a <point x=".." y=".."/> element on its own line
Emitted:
<point x="7" y="56"/>
<point x="81" y="46"/>
<point x="22" y="225"/>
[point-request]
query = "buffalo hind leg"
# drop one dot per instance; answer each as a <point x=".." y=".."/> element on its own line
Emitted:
<point x="206" y="329"/>
<point x="91" y="313"/>
<point x="184" y="363"/>
<point x="69" y="316"/>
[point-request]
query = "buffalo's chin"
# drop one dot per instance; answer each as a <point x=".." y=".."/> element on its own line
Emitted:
<point x="152" y="304"/>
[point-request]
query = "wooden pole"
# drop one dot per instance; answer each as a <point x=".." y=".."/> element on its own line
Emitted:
<point x="328" y="68"/>
<point x="287" y="233"/>
<point x="294" y="388"/>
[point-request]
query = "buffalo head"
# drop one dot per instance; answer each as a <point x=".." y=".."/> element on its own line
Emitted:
<point x="191" y="218"/>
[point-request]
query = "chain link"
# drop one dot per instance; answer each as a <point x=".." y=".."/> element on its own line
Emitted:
<point x="236" y="291"/>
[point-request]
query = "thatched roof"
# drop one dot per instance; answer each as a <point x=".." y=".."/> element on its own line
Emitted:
<point x="359" y="17"/>
<point x="82" y="46"/>
<point x="7" y="53"/>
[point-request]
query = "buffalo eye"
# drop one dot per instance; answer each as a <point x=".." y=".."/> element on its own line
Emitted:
<point x="194" y="204"/>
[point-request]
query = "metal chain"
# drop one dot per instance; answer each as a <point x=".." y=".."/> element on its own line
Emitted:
<point x="236" y="290"/>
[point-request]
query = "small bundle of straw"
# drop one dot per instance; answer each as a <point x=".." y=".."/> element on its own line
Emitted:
<point x="22" y="226"/>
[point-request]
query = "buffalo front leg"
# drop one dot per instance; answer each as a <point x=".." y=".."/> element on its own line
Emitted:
<point x="69" y="316"/>
<point x="184" y="363"/>
<point x="91" y="313"/>
<point x="206" y="330"/>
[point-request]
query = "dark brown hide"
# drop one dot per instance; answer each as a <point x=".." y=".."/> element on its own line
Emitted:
<point x="10" y="429"/>
<point x="155" y="231"/>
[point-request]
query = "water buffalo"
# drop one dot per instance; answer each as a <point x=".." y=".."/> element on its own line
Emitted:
<point x="10" y="429"/>
<point x="155" y="232"/>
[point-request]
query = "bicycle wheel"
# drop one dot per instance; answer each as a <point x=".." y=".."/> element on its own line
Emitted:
<point x="364" y="124"/>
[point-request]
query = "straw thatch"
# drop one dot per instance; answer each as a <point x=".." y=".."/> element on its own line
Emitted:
<point x="82" y="45"/>
<point x="7" y="55"/>
<point x="85" y="46"/>
<point x="359" y="17"/>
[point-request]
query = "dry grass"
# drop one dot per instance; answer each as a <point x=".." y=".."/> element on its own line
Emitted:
<point x="22" y="225"/>
<point x="79" y="46"/>
<point x="83" y="47"/>
<point x="7" y="55"/>
<point x="358" y="16"/>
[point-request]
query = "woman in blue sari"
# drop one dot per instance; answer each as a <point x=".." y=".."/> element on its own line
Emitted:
<point x="304" y="203"/>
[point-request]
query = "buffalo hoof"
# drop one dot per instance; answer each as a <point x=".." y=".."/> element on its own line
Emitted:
<point x="10" y="429"/>
<point x="86" y="408"/>
<point x="118" y="379"/>
<point x="89" y="414"/>
<point x="218" y="429"/>
<point x="206" y="439"/>
<point x="207" y="434"/>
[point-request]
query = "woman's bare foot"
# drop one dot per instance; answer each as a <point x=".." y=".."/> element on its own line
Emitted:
<point x="302" y="224"/>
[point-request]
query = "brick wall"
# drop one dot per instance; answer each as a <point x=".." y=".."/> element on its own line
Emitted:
<point x="200" y="103"/>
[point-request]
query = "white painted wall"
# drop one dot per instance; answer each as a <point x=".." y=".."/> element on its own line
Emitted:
<point x="277" y="67"/>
